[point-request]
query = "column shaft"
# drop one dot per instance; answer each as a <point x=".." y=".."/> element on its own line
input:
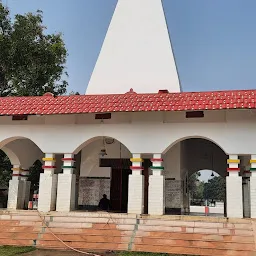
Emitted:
<point x="48" y="185"/>
<point x="16" y="190"/>
<point x="66" y="185"/>
<point x="253" y="186"/>
<point x="156" y="197"/>
<point x="136" y="186"/>
<point x="234" y="188"/>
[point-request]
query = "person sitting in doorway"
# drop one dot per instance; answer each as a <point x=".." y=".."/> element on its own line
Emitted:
<point x="104" y="203"/>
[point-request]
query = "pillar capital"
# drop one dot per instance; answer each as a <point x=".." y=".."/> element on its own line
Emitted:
<point x="157" y="164"/>
<point x="233" y="162"/>
<point x="49" y="163"/>
<point x="137" y="164"/>
<point x="68" y="163"/>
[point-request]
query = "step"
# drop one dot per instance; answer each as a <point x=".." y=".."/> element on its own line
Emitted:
<point x="87" y="238"/>
<point x="197" y="230"/>
<point x="196" y="244"/>
<point x="90" y="220"/>
<point x="92" y="232"/>
<point x="82" y="245"/>
<point x="20" y="229"/>
<point x="16" y="242"/>
<point x="191" y="250"/>
<point x="247" y="226"/>
<point x="19" y="235"/>
<point x="196" y="236"/>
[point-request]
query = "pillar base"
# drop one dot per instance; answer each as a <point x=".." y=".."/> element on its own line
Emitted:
<point x="47" y="192"/>
<point x="156" y="201"/>
<point x="66" y="192"/>
<point x="15" y="194"/>
<point x="136" y="194"/>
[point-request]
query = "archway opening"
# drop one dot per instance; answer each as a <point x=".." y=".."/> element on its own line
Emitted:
<point x="207" y="189"/>
<point x="23" y="165"/>
<point x="5" y="177"/>
<point x="103" y="167"/>
<point x="186" y="157"/>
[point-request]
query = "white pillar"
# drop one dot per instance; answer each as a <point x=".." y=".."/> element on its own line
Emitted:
<point x="16" y="190"/>
<point x="48" y="185"/>
<point x="156" y="198"/>
<point x="66" y="185"/>
<point x="253" y="186"/>
<point x="234" y="188"/>
<point x="136" y="186"/>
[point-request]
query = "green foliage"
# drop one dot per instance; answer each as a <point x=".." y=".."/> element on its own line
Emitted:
<point x="11" y="250"/>
<point x="5" y="169"/>
<point x="34" y="175"/>
<point x="31" y="62"/>
<point x="215" y="189"/>
<point x="193" y="186"/>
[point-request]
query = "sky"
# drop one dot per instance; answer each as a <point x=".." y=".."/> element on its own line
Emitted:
<point x="213" y="41"/>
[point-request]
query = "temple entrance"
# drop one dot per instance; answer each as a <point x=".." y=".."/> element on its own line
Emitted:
<point x="184" y="159"/>
<point x="104" y="169"/>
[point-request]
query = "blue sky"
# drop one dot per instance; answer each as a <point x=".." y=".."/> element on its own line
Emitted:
<point x="214" y="41"/>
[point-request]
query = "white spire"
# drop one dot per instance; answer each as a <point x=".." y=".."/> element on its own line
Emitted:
<point x="136" y="52"/>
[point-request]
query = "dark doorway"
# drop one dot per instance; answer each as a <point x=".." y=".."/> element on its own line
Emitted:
<point x="119" y="190"/>
<point x="120" y="171"/>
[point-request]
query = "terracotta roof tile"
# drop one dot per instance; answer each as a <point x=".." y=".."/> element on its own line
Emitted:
<point x="129" y="102"/>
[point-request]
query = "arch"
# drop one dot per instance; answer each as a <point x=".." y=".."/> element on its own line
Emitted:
<point x="193" y="137"/>
<point x="11" y="139"/>
<point x="91" y="140"/>
<point x="14" y="149"/>
<point x="11" y="155"/>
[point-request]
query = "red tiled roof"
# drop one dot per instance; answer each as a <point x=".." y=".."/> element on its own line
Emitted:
<point x="129" y="102"/>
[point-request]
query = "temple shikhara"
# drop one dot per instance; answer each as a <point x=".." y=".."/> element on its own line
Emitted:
<point x="135" y="135"/>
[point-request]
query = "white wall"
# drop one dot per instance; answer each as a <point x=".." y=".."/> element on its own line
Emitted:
<point x="234" y="137"/>
<point x="172" y="162"/>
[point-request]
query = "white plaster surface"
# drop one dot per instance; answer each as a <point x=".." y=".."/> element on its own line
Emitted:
<point x="136" y="52"/>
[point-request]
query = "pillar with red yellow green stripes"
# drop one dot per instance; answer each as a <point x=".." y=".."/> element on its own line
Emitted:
<point x="48" y="185"/>
<point x="234" y="188"/>
<point x="136" y="186"/>
<point x="253" y="186"/>
<point x="156" y="198"/>
<point x="66" y="185"/>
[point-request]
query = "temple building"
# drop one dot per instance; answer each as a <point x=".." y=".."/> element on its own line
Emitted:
<point x="134" y="136"/>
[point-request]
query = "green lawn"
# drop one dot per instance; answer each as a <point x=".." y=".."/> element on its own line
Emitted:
<point x="10" y="251"/>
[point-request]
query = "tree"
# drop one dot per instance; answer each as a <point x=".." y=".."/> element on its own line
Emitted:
<point x="31" y="62"/>
<point x="215" y="189"/>
<point x="195" y="186"/>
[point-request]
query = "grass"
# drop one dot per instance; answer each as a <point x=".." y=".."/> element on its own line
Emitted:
<point x="11" y="251"/>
